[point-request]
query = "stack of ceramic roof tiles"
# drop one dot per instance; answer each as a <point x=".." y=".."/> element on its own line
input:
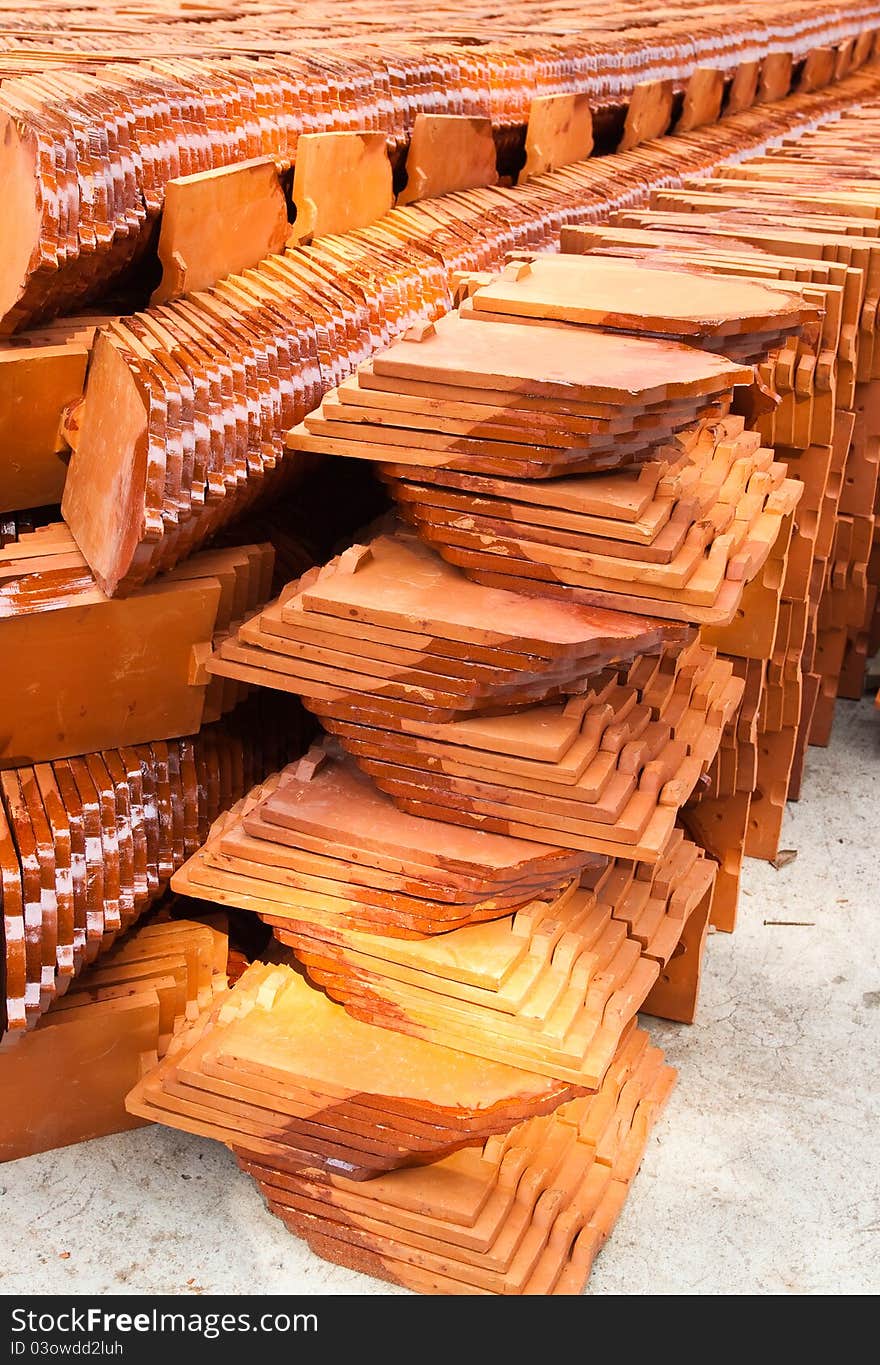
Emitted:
<point x="67" y="1080"/>
<point x="588" y="41"/>
<point x="696" y="556"/>
<point x="713" y="519"/>
<point x="434" y="739"/>
<point x="776" y="601"/>
<point x="594" y="999"/>
<point x="581" y="745"/>
<point x="392" y="623"/>
<point x="754" y="496"/>
<point x="324" y="1110"/>
<point x="88" y="842"/>
<point x="525" y="1214"/>
<point x="87" y="158"/>
<point x="330" y="850"/>
<point x="741" y="321"/>
<point x="488" y="402"/>
<point x="279" y="1071"/>
<point x="844" y="534"/>
<point x="827" y="163"/>
<point x="200" y="455"/>
<point x="337" y="870"/>
<point x="553" y="773"/>
<point x="546" y="978"/>
<point x="201" y="390"/>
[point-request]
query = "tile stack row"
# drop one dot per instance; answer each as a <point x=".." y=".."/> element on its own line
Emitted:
<point x="87" y="843"/>
<point x="119" y="672"/>
<point x="118" y="1018"/>
<point x="87" y="154"/>
<point x="201" y="390"/>
<point x="805" y="425"/>
<point x="563" y="37"/>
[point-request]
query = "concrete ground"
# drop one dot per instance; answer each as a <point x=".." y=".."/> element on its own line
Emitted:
<point x="760" y="1178"/>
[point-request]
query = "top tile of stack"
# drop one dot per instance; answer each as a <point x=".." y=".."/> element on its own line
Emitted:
<point x="570" y="364"/>
<point x="621" y="295"/>
<point x="398" y="582"/>
<point x="392" y="629"/>
<point x="278" y="1070"/>
<point x="497" y="403"/>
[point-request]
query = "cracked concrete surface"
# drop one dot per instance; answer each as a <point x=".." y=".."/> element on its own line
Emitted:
<point x="760" y="1178"/>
